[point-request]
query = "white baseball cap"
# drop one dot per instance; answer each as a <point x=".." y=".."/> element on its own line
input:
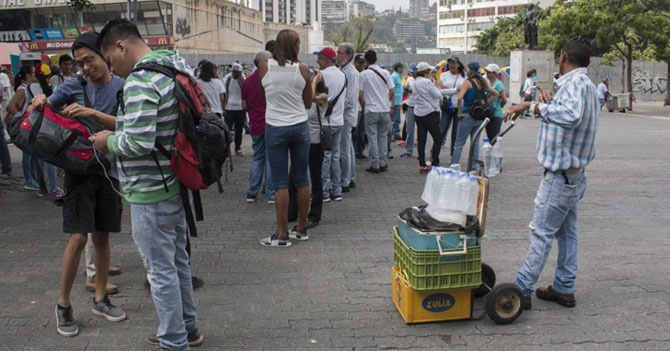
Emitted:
<point x="422" y="66"/>
<point x="492" y="67"/>
<point x="237" y="67"/>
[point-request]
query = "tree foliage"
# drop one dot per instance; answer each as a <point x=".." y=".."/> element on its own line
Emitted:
<point x="506" y="35"/>
<point x="359" y="31"/>
<point x="81" y="5"/>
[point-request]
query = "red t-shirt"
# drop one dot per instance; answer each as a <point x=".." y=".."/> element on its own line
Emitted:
<point x="253" y="95"/>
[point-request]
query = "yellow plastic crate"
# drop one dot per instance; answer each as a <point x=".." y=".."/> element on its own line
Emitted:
<point x="433" y="306"/>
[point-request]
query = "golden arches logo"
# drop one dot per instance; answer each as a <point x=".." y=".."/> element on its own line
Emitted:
<point x="162" y="41"/>
<point x="34" y="46"/>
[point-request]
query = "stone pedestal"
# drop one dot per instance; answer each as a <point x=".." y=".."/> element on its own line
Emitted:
<point x="523" y="61"/>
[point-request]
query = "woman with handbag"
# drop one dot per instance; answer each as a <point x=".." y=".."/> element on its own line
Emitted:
<point x="287" y="86"/>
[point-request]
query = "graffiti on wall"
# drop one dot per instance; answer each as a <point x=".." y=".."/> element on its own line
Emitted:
<point x="183" y="28"/>
<point x="645" y="82"/>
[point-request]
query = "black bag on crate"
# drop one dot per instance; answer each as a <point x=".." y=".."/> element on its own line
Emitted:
<point x="418" y="218"/>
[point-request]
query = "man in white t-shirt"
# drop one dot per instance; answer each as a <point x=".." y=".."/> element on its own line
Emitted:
<point x="65" y="65"/>
<point x="5" y="87"/>
<point x="233" y="112"/>
<point x="603" y="92"/>
<point x="334" y="121"/>
<point x="376" y="97"/>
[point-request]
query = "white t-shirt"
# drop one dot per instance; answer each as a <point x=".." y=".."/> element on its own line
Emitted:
<point x="451" y="83"/>
<point x="602" y="90"/>
<point x="234" y="102"/>
<point x="213" y="90"/>
<point x="376" y="90"/>
<point x="57" y="80"/>
<point x="334" y="80"/>
<point x="409" y="83"/>
<point x="427" y="97"/>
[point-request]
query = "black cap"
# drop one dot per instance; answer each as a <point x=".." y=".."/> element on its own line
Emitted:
<point x="88" y="40"/>
<point x="359" y="58"/>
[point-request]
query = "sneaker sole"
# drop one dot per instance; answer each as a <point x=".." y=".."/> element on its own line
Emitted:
<point x="109" y="318"/>
<point x="304" y="238"/>
<point x="197" y="342"/>
<point x="249" y="201"/>
<point x="270" y="245"/>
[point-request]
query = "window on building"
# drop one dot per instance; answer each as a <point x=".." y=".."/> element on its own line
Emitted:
<point x="489" y="11"/>
<point x="14" y="20"/>
<point x="451" y="14"/>
<point x="476" y="27"/>
<point x="509" y="10"/>
<point x="152" y="16"/>
<point x="453" y="28"/>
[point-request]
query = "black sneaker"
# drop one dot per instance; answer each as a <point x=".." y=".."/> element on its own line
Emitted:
<point x="197" y="282"/>
<point x="383" y="168"/>
<point x="65" y="324"/>
<point x="194" y="339"/>
<point x="372" y="170"/>
<point x="311" y="224"/>
<point x="336" y="197"/>
<point x="251" y="199"/>
<point x="345" y="189"/>
<point x="275" y="241"/>
<point x="352" y="184"/>
<point x="294" y="233"/>
<point x="527" y="303"/>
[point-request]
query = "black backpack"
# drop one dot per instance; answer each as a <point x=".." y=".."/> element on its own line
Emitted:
<point x="479" y="109"/>
<point x="201" y="134"/>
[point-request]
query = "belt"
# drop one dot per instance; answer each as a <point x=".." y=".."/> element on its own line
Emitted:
<point x="565" y="172"/>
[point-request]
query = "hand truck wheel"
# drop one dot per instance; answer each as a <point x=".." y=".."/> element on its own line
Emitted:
<point x="488" y="281"/>
<point x="504" y="303"/>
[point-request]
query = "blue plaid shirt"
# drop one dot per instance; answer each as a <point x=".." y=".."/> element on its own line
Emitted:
<point x="569" y="122"/>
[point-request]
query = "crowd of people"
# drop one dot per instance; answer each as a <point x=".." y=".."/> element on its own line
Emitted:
<point x="309" y="128"/>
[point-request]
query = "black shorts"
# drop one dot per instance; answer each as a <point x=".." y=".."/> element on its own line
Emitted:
<point x="90" y="204"/>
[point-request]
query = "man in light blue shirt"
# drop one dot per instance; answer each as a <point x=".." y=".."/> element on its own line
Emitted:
<point x="565" y="146"/>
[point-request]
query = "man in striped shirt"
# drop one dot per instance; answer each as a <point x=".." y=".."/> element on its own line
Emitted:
<point x="148" y="114"/>
<point x="565" y="145"/>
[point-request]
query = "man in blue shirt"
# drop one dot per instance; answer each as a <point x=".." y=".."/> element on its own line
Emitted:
<point x="91" y="203"/>
<point x="394" y="130"/>
<point x="565" y="146"/>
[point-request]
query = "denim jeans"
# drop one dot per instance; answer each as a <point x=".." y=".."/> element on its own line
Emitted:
<point x="359" y="139"/>
<point x="376" y="127"/>
<point x="50" y="171"/>
<point x="409" y="127"/>
<point x="260" y="168"/>
<point x="28" y="168"/>
<point x="467" y="127"/>
<point x="283" y="142"/>
<point x="395" y="121"/>
<point x="159" y="231"/>
<point x="449" y="119"/>
<point x="554" y="217"/>
<point x="347" y="158"/>
<point x="389" y="121"/>
<point x="5" y="160"/>
<point x="330" y="171"/>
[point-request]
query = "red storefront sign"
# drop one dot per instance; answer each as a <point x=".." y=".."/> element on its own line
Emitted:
<point x="67" y="44"/>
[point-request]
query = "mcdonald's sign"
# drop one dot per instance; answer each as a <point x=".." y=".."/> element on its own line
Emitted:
<point x="34" y="46"/>
<point x="159" y="41"/>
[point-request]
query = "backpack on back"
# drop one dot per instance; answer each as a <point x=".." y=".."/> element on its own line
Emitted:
<point x="201" y="145"/>
<point x="479" y="109"/>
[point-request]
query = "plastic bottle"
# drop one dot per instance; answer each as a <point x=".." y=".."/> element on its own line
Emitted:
<point x="463" y="186"/>
<point x="474" y="196"/>
<point x="428" y="188"/>
<point x="487" y="156"/>
<point x="498" y="154"/>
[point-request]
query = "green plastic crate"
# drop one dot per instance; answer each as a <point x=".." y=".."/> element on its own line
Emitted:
<point x="428" y="270"/>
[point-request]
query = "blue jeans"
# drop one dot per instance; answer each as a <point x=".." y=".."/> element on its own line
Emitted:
<point x="347" y="157"/>
<point x="389" y="121"/>
<point x="50" y="171"/>
<point x="159" y="231"/>
<point x="466" y="128"/>
<point x="282" y="142"/>
<point x="555" y="216"/>
<point x="395" y="121"/>
<point x="449" y="118"/>
<point x="5" y="159"/>
<point x="260" y="168"/>
<point x="409" y="127"/>
<point x="376" y="127"/>
<point x="28" y="168"/>
<point x="359" y="139"/>
<point x="330" y="170"/>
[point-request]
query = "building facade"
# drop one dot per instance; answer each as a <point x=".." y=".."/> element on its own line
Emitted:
<point x="336" y="12"/>
<point x="305" y="12"/>
<point x="407" y="30"/>
<point x="460" y="21"/>
<point x="192" y="27"/>
<point x="419" y="8"/>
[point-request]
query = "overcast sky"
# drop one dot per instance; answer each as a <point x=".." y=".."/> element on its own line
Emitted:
<point x="381" y="5"/>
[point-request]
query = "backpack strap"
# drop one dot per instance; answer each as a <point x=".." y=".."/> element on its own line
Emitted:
<point x="379" y="74"/>
<point x="225" y="99"/>
<point x="84" y="84"/>
<point x="331" y="105"/>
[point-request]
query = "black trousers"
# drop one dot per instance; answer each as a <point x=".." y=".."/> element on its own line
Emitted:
<point x="236" y="118"/>
<point x="429" y="124"/>
<point x="359" y="139"/>
<point x="493" y="128"/>
<point x="316" y="205"/>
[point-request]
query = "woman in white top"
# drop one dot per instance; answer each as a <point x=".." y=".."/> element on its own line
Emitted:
<point x="212" y="87"/>
<point x="427" y="99"/>
<point x="287" y="85"/>
<point x="450" y="83"/>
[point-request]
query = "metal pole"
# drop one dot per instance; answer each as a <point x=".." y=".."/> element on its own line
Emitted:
<point x="128" y="10"/>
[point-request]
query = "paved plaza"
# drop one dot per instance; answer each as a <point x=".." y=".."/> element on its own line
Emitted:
<point x="333" y="292"/>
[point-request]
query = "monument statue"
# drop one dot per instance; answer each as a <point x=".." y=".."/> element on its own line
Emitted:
<point x="530" y="27"/>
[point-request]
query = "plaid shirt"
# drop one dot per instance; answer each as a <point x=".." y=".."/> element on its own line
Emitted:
<point x="569" y="122"/>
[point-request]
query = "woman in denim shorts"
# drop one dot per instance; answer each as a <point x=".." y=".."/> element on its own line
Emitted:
<point x="288" y="92"/>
